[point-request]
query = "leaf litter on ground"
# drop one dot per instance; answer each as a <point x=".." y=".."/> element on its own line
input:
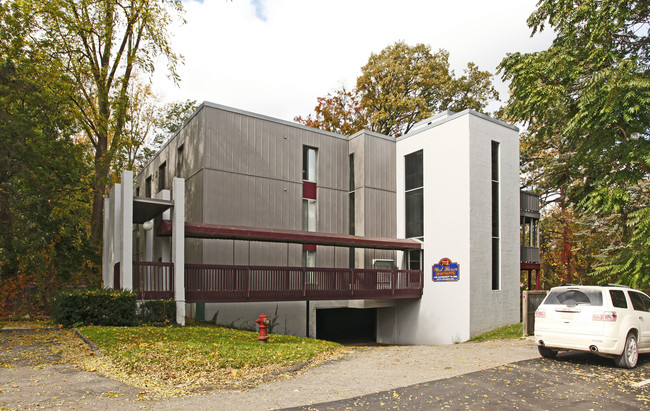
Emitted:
<point x="173" y="361"/>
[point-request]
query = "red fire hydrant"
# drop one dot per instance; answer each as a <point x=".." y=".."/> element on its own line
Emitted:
<point x="263" y="323"/>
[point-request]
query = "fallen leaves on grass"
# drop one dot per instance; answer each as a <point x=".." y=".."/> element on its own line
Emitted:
<point x="172" y="361"/>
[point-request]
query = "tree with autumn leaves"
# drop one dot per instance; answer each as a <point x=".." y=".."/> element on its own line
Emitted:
<point x="45" y="174"/>
<point x="74" y="110"/>
<point x="397" y="88"/>
<point x="586" y="104"/>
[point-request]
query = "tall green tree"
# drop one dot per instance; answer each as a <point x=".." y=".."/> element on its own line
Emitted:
<point x="100" y="44"/>
<point x="44" y="174"/>
<point x="400" y="86"/>
<point x="586" y="100"/>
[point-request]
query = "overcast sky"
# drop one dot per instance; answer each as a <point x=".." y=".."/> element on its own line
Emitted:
<point x="274" y="57"/>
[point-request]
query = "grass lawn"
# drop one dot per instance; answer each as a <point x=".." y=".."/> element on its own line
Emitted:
<point x="509" y="331"/>
<point x="195" y="358"/>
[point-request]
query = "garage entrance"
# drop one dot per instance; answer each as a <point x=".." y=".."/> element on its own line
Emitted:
<point x="347" y="325"/>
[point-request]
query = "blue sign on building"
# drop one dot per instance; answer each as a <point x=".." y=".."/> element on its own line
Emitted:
<point x="445" y="270"/>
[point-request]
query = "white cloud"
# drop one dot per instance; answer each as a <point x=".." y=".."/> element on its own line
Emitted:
<point x="275" y="57"/>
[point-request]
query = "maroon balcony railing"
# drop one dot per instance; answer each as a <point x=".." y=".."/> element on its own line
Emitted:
<point x="153" y="281"/>
<point x="215" y="283"/>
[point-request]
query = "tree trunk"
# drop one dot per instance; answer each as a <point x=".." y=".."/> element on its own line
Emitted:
<point x="99" y="189"/>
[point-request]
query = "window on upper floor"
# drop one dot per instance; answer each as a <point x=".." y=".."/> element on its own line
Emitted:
<point x="179" y="160"/>
<point x="162" y="174"/>
<point x="309" y="164"/>
<point x="147" y="187"/>
<point x="496" y="240"/>
<point x="414" y="195"/>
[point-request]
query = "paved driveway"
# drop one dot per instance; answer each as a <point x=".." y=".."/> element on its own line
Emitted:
<point x="32" y="377"/>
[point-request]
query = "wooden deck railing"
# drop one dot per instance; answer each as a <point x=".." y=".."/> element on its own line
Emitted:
<point x="153" y="281"/>
<point x="227" y="283"/>
<point x="214" y="283"/>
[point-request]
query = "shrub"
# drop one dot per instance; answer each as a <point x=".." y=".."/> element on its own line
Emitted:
<point x="157" y="312"/>
<point x="94" y="306"/>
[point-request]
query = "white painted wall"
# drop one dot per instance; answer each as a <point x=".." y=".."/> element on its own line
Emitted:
<point x="494" y="308"/>
<point x="457" y="225"/>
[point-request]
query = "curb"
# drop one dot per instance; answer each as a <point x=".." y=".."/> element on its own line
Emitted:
<point x="86" y="340"/>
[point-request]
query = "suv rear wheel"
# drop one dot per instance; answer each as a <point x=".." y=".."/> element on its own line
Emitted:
<point x="546" y="352"/>
<point x="630" y="355"/>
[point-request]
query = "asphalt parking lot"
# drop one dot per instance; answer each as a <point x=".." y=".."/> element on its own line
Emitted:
<point x="575" y="381"/>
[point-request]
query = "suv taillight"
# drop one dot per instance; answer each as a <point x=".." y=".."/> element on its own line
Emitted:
<point x="540" y="313"/>
<point x="604" y="316"/>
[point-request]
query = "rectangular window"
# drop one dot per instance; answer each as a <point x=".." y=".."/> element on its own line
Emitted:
<point x="161" y="176"/>
<point x="179" y="161"/>
<point x="414" y="261"/>
<point x="351" y="211"/>
<point x="352" y="183"/>
<point x="308" y="215"/>
<point x="308" y="258"/>
<point x="309" y="164"/>
<point x="414" y="193"/>
<point x="147" y="187"/>
<point x="496" y="242"/>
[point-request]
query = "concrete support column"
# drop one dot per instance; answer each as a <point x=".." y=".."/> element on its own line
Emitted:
<point x="148" y="244"/>
<point x="106" y="246"/>
<point x="127" y="231"/>
<point x="178" y="247"/>
<point x="115" y="245"/>
<point x="163" y="245"/>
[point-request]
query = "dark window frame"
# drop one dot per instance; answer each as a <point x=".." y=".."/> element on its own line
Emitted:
<point x="495" y="159"/>
<point x="414" y="195"/>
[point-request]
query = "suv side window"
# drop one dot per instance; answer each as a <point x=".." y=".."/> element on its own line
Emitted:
<point x="645" y="300"/>
<point x="618" y="298"/>
<point x="638" y="301"/>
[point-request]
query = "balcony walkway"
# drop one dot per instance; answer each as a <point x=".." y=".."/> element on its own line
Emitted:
<point x="224" y="283"/>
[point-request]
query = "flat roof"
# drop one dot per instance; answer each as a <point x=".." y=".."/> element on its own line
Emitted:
<point x="230" y="232"/>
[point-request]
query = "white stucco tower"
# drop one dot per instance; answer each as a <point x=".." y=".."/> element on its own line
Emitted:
<point x="464" y="207"/>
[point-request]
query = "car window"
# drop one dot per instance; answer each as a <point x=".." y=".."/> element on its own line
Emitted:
<point x="618" y="298"/>
<point x="644" y="298"/>
<point x="573" y="297"/>
<point x="637" y="301"/>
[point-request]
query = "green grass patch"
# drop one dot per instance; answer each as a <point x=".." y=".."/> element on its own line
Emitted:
<point x="190" y="349"/>
<point x="508" y="332"/>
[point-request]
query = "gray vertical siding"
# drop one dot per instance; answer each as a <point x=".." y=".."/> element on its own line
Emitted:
<point x="245" y="169"/>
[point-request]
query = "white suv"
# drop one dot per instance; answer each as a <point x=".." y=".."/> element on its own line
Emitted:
<point x="609" y="320"/>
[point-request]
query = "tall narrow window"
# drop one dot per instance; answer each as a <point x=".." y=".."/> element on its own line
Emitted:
<point x="496" y="254"/>
<point x="414" y="189"/>
<point x="309" y="210"/>
<point x="179" y="160"/>
<point x="147" y="187"/>
<point x="351" y="211"/>
<point x="309" y="164"/>
<point x="308" y="214"/>
<point x="162" y="171"/>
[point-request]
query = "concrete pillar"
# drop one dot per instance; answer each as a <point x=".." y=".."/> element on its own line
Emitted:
<point x="178" y="247"/>
<point x="115" y="245"/>
<point x="127" y="231"/>
<point x="148" y="244"/>
<point x="106" y="246"/>
<point x="163" y="245"/>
